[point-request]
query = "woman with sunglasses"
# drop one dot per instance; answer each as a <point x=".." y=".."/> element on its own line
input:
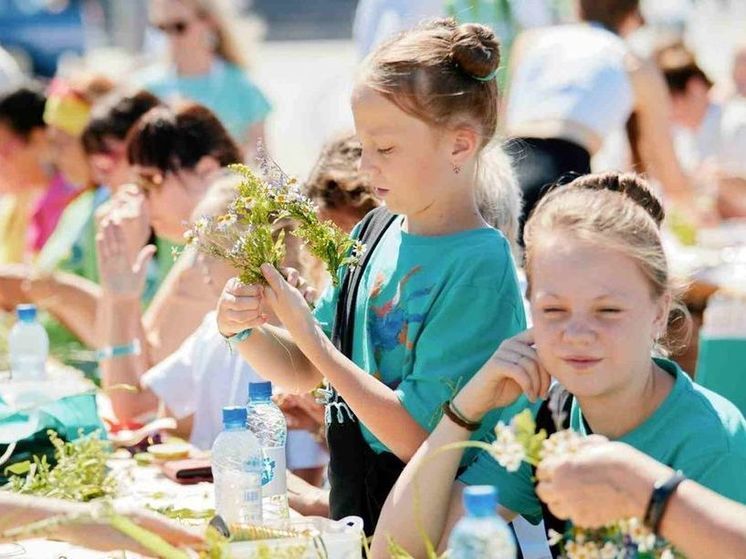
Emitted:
<point x="208" y="67"/>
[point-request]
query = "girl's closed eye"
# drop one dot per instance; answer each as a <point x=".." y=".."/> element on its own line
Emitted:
<point x="610" y="311"/>
<point x="385" y="151"/>
<point x="552" y="311"/>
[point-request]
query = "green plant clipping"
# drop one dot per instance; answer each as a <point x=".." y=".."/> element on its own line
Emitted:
<point x="252" y="231"/>
<point x="80" y="473"/>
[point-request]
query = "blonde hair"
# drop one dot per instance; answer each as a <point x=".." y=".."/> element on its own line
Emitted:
<point x="222" y="17"/>
<point x="619" y="212"/>
<point x="441" y="73"/>
<point x="498" y="194"/>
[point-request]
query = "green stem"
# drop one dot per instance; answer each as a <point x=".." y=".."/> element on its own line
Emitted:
<point x="147" y="539"/>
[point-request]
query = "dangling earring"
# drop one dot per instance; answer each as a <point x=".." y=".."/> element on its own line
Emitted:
<point x="456" y="169"/>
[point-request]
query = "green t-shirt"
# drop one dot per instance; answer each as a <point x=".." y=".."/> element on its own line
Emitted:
<point x="693" y="430"/>
<point x="430" y="311"/>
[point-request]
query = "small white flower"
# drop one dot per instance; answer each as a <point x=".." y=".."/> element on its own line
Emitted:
<point x="560" y="443"/>
<point x="202" y="224"/>
<point x="667" y="554"/>
<point x="553" y="537"/>
<point x="611" y="551"/>
<point x="506" y="450"/>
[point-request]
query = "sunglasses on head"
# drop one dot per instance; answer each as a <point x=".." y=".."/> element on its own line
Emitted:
<point x="174" y="28"/>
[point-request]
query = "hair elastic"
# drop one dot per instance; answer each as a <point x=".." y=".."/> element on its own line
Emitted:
<point x="488" y="78"/>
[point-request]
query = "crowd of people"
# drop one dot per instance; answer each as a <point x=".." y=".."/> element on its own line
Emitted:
<point x="498" y="268"/>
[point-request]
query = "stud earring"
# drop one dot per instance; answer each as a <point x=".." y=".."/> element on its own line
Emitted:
<point x="456" y="169"/>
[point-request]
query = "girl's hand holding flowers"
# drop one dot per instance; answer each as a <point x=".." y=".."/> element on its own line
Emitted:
<point x="247" y="306"/>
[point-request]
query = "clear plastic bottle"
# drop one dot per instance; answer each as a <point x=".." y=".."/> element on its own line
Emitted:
<point x="237" y="470"/>
<point x="268" y="423"/>
<point x="481" y="533"/>
<point x="28" y="346"/>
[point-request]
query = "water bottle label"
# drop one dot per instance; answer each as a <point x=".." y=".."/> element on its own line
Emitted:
<point x="274" y="476"/>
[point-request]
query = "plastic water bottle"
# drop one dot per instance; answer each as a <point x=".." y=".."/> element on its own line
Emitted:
<point x="268" y="423"/>
<point x="481" y="533"/>
<point x="28" y="346"/>
<point x="237" y="470"/>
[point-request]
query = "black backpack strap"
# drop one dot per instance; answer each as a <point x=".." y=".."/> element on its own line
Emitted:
<point x="372" y="228"/>
<point x="554" y="414"/>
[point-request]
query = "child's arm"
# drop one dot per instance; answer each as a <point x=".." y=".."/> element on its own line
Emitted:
<point x="269" y="349"/>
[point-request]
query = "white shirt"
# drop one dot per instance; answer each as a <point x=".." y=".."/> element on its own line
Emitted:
<point x="574" y="73"/>
<point x="203" y="376"/>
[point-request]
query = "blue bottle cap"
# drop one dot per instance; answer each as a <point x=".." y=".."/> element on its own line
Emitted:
<point x="260" y="390"/>
<point x="480" y="500"/>
<point x="234" y="415"/>
<point x="26" y="313"/>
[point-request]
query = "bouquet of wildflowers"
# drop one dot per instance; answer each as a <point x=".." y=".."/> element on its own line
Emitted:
<point x="627" y="539"/>
<point x="518" y="442"/>
<point x="245" y="236"/>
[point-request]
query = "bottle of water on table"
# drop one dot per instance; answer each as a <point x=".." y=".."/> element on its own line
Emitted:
<point x="28" y="346"/>
<point x="267" y="422"/>
<point x="237" y="470"/>
<point x="481" y="533"/>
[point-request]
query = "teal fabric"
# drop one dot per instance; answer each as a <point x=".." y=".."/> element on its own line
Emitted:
<point x="721" y="367"/>
<point x="430" y="312"/>
<point x="69" y="417"/>
<point x="226" y="90"/>
<point x="693" y="430"/>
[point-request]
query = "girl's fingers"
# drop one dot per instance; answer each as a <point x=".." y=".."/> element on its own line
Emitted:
<point x="529" y="367"/>
<point x="520" y="377"/>
<point x="546" y="380"/>
<point x="234" y="303"/>
<point x="239" y="289"/>
<point x="241" y="317"/>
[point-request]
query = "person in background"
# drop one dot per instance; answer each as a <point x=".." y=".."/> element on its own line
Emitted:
<point x="609" y="481"/>
<point x="731" y="160"/>
<point x="34" y="193"/>
<point x="571" y="86"/>
<point x="104" y="137"/>
<point x="695" y="117"/>
<point x="204" y="374"/>
<point x="208" y="67"/>
<point x="104" y="142"/>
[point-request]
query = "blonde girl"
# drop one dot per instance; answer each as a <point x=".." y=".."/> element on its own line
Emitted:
<point x="438" y="292"/>
<point x="601" y="300"/>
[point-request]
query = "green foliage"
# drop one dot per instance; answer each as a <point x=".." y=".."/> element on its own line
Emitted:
<point x="252" y="232"/>
<point x="79" y="475"/>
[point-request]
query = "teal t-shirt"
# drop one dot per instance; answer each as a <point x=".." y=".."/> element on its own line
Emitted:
<point x="430" y="312"/>
<point x="693" y="430"/>
<point x="225" y="89"/>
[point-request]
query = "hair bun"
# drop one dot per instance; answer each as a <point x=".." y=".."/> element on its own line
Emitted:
<point x="475" y="49"/>
<point x="631" y="185"/>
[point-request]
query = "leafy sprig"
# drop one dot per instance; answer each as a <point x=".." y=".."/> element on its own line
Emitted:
<point x="247" y="235"/>
<point x="79" y="475"/>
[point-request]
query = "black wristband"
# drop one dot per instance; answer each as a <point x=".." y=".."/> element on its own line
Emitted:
<point x="662" y="491"/>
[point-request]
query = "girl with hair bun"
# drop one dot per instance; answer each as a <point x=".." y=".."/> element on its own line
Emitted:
<point x="603" y="307"/>
<point x="437" y="292"/>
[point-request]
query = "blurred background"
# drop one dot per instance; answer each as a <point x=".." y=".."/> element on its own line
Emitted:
<point x="302" y="53"/>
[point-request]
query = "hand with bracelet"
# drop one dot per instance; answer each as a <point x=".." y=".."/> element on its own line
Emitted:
<point x="514" y="369"/>
<point x="607" y="481"/>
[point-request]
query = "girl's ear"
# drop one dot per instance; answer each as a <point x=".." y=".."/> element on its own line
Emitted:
<point x="465" y="145"/>
<point x="206" y="166"/>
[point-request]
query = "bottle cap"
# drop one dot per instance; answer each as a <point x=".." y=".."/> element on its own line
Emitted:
<point x="234" y="415"/>
<point x="26" y="313"/>
<point x="260" y="390"/>
<point x="480" y="500"/>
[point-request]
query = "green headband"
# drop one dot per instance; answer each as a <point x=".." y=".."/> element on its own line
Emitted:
<point x="488" y="78"/>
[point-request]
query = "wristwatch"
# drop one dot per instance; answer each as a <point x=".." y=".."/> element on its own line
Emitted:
<point x="662" y="491"/>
